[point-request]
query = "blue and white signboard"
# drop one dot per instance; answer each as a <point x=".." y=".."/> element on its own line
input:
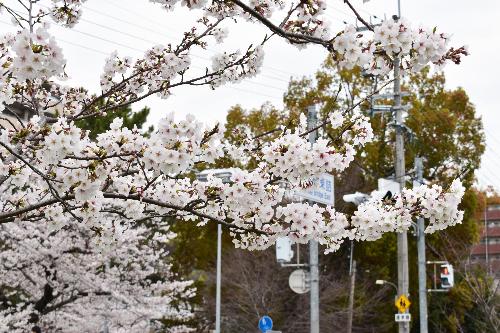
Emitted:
<point x="265" y="324"/>
<point x="321" y="190"/>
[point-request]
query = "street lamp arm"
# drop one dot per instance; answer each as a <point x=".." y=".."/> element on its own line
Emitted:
<point x="382" y="282"/>
<point x="392" y="284"/>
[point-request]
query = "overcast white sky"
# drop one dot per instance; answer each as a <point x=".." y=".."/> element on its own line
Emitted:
<point x="132" y="26"/>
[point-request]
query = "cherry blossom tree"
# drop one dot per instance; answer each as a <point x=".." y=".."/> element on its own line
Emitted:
<point x="53" y="174"/>
<point x="68" y="280"/>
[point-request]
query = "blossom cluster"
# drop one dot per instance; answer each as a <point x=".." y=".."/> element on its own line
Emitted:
<point x="14" y="319"/>
<point x="175" y="147"/>
<point x="351" y="49"/>
<point x="422" y="45"/>
<point x="220" y="34"/>
<point x="250" y="66"/>
<point x="67" y="12"/>
<point x="392" y="38"/>
<point x="310" y="20"/>
<point x="376" y="217"/>
<point x="37" y="56"/>
<point x="49" y="162"/>
<point x="147" y="177"/>
<point x="291" y="156"/>
<point x="438" y="207"/>
<point x="154" y="72"/>
<point x="26" y="56"/>
<point x="85" y="279"/>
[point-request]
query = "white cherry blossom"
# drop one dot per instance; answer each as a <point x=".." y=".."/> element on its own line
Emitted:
<point x="58" y="184"/>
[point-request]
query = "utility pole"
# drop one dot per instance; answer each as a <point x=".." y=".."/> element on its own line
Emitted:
<point x="402" y="238"/>
<point x="351" y="297"/>
<point x="422" y="275"/>
<point x="218" y="287"/>
<point x="312" y="119"/>
<point x="400" y="178"/>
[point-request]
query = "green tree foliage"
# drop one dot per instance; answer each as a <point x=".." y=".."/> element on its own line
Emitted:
<point x="442" y="127"/>
<point x="97" y="125"/>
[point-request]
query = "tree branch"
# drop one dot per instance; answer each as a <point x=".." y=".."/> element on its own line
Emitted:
<point x="292" y="37"/>
<point x="366" y="24"/>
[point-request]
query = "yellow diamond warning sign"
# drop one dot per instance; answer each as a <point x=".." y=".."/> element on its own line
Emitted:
<point x="402" y="303"/>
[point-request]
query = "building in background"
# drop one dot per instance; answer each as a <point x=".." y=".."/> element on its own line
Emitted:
<point x="12" y="115"/>
<point x="487" y="251"/>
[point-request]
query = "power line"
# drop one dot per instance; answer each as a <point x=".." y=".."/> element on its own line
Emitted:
<point x="141" y="51"/>
<point x="351" y="15"/>
<point x="162" y="26"/>
<point x="482" y="168"/>
<point x="151" y="41"/>
<point x="493" y="152"/>
<point x="156" y="43"/>
<point x="488" y="179"/>
<point x="491" y="135"/>
<point x="121" y="32"/>
<point x="127" y="22"/>
<point x="137" y="50"/>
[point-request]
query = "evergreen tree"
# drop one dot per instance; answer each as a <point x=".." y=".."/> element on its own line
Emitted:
<point x="101" y="123"/>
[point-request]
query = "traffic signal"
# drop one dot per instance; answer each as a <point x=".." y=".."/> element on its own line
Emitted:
<point x="447" y="280"/>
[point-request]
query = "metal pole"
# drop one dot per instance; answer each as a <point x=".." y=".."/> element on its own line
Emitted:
<point x="312" y="118"/>
<point x="106" y="327"/>
<point x="351" y="256"/>
<point x="400" y="177"/>
<point x="351" y="297"/>
<point x="218" y="293"/>
<point x="399" y="8"/>
<point x="422" y="276"/>
<point x="298" y="254"/>
<point x="435" y="277"/>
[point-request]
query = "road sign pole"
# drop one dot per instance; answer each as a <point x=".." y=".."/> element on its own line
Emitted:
<point x="422" y="275"/>
<point x="351" y="296"/>
<point x="402" y="238"/>
<point x="218" y="287"/>
<point x="312" y="118"/>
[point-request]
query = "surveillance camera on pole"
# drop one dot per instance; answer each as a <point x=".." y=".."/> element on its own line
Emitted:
<point x="224" y="174"/>
<point x="356" y="198"/>
<point x="388" y="187"/>
<point x="447" y="278"/>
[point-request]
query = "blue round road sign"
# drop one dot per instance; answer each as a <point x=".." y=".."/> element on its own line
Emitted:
<point x="265" y="324"/>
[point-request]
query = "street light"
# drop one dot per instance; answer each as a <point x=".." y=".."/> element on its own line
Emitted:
<point x="225" y="175"/>
<point x="382" y="282"/>
<point x="356" y="198"/>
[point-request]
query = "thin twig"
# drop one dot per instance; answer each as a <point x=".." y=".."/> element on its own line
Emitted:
<point x="326" y="121"/>
<point x="361" y="19"/>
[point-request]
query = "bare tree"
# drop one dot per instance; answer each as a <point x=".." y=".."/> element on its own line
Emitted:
<point x="476" y="289"/>
<point x="253" y="285"/>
